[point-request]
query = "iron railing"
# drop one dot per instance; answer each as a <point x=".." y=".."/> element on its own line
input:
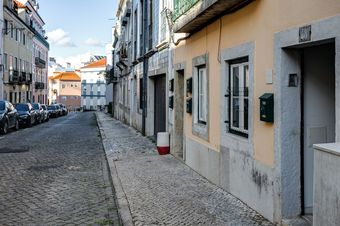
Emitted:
<point x="181" y="7"/>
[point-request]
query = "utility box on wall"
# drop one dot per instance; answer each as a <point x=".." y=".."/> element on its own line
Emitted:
<point x="189" y="105"/>
<point x="267" y="107"/>
<point x="189" y="85"/>
<point x="171" y="102"/>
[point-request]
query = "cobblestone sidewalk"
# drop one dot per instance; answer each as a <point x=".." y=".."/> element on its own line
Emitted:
<point x="160" y="190"/>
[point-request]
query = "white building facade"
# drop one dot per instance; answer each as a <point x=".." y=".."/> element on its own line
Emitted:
<point x="93" y="85"/>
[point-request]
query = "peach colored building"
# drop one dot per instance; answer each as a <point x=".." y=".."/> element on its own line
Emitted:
<point x="65" y="88"/>
<point x="256" y="84"/>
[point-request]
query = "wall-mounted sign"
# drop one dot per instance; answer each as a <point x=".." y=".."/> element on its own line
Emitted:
<point x="305" y="33"/>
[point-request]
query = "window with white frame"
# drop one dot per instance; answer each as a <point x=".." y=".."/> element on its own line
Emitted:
<point x="239" y="97"/>
<point x="202" y="95"/>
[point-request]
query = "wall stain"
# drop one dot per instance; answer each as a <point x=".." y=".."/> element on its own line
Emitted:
<point x="261" y="180"/>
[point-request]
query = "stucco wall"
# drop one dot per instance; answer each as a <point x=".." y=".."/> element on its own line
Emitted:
<point x="257" y="23"/>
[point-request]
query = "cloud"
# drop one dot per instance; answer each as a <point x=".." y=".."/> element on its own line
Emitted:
<point x="94" y="42"/>
<point x="59" y="37"/>
<point x="76" y="61"/>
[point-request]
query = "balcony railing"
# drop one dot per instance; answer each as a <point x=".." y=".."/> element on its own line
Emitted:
<point x="181" y="7"/>
<point x="13" y="76"/>
<point x="22" y="78"/>
<point x="39" y="85"/>
<point x="200" y="13"/>
<point x="40" y="62"/>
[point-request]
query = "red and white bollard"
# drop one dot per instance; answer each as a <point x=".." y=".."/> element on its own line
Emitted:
<point x="163" y="144"/>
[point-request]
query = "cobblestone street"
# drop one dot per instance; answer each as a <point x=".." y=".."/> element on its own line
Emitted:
<point x="58" y="175"/>
<point x="160" y="190"/>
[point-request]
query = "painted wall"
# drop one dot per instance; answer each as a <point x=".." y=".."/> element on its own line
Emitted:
<point x="23" y="52"/>
<point x="93" y="81"/>
<point x="257" y="23"/>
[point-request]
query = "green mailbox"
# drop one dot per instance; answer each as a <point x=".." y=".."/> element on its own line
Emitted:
<point x="189" y="85"/>
<point x="267" y="107"/>
<point x="171" y="102"/>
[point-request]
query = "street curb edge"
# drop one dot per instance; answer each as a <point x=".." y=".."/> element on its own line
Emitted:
<point x="122" y="202"/>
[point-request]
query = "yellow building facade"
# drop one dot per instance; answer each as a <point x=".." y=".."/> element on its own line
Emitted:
<point x="17" y="56"/>
<point x="281" y="51"/>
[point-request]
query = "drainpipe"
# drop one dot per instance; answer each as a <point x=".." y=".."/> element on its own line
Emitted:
<point x="145" y="64"/>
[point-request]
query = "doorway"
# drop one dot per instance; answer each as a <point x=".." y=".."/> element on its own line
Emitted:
<point x="317" y="111"/>
<point x="159" y="104"/>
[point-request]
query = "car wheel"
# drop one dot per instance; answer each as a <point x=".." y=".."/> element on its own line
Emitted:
<point x="16" y="125"/>
<point x="4" y="129"/>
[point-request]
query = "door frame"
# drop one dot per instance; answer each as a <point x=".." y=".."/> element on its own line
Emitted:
<point x="288" y="165"/>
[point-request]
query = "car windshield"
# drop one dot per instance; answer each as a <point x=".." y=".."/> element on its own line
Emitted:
<point x="2" y="105"/>
<point x="21" y="107"/>
<point x="43" y="107"/>
<point x="35" y="106"/>
<point x="51" y="107"/>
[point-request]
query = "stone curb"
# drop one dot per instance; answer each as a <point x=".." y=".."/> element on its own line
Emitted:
<point x="122" y="202"/>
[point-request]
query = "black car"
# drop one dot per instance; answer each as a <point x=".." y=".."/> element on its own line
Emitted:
<point x="8" y="117"/>
<point x="40" y="112"/>
<point x="27" y="114"/>
<point x="53" y="110"/>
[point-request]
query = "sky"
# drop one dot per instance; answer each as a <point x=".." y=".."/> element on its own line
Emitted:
<point x="77" y="28"/>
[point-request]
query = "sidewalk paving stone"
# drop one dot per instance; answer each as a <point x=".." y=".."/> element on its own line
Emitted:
<point x="161" y="190"/>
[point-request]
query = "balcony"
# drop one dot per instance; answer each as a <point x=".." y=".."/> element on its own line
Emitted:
<point x="40" y="62"/>
<point x="39" y="85"/>
<point x="13" y="76"/>
<point x="28" y="78"/>
<point x="22" y="78"/>
<point x="190" y="16"/>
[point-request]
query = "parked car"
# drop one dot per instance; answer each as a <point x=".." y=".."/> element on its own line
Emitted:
<point x="27" y="114"/>
<point x="63" y="108"/>
<point x="40" y="112"/>
<point x="8" y="117"/>
<point x="59" y="110"/>
<point x="53" y="110"/>
<point x="46" y="113"/>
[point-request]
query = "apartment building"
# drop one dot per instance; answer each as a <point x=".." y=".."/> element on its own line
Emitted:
<point x="1" y="54"/>
<point x="245" y="90"/>
<point x="17" y="53"/>
<point x="40" y="53"/>
<point x="255" y="88"/>
<point x="141" y="65"/>
<point x="65" y="88"/>
<point x="93" y="85"/>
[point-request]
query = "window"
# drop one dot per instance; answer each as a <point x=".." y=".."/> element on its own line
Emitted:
<point x="24" y="39"/>
<point x="6" y="26"/>
<point x="16" y="34"/>
<point x="11" y="62"/>
<point x="12" y="31"/>
<point x="5" y="61"/>
<point x="141" y="93"/>
<point x="238" y="97"/>
<point x="63" y="86"/>
<point x="15" y="63"/>
<point x="19" y="36"/>
<point x="202" y="94"/>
